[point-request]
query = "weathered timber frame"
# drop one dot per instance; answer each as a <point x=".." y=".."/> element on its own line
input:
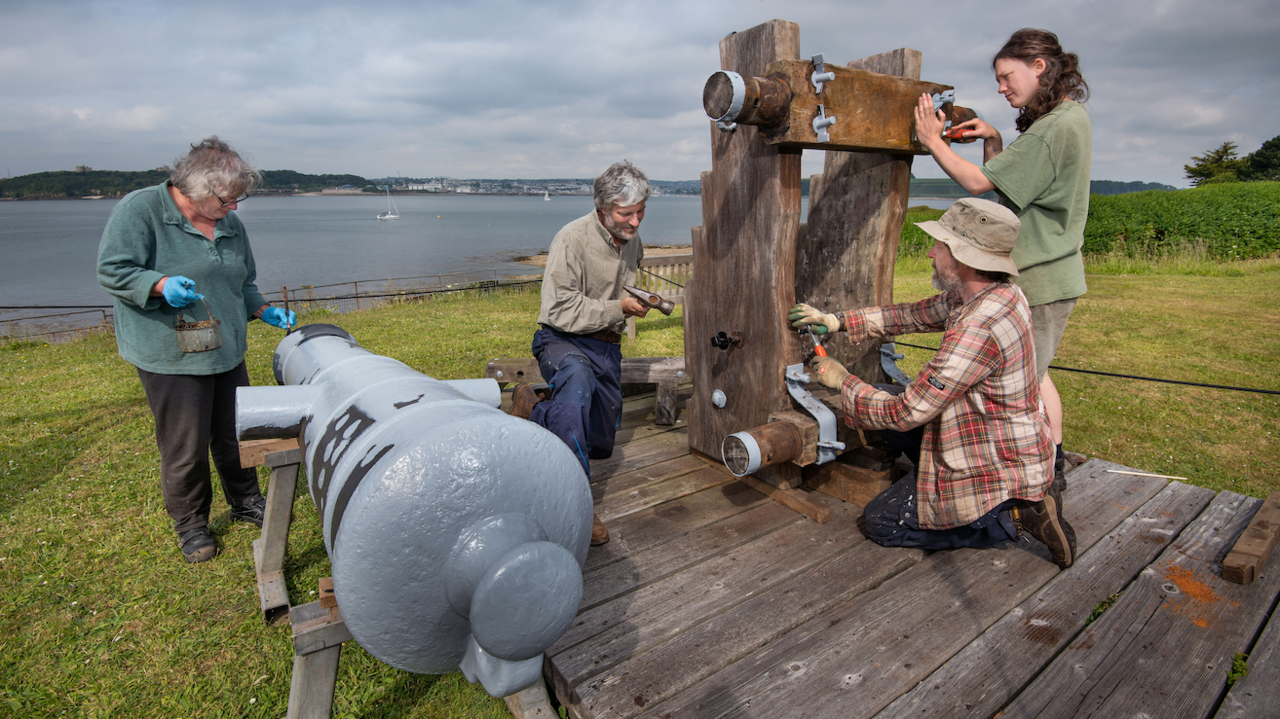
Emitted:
<point x="754" y="259"/>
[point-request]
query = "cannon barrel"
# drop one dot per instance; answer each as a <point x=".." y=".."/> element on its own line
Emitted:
<point x="456" y="532"/>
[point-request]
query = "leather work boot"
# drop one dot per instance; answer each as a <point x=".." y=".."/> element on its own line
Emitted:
<point x="1043" y="520"/>
<point x="523" y="398"/>
<point x="599" y="535"/>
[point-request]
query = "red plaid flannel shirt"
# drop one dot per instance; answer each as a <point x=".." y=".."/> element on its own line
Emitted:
<point x="987" y="436"/>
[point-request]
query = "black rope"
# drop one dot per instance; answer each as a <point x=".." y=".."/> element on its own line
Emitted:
<point x="1130" y="376"/>
<point x="664" y="279"/>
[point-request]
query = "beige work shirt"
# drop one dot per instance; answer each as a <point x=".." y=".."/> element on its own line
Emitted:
<point x="582" y="286"/>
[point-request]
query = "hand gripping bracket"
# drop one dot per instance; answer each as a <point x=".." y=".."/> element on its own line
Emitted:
<point x="797" y="378"/>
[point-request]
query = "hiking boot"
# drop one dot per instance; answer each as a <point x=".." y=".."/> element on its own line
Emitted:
<point x="252" y="511"/>
<point x="599" y="535"/>
<point x="523" y="398"/>
<point x="1043" y="520"/>
<point x="197" y="545"/>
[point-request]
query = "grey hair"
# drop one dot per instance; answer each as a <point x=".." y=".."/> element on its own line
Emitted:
<point x="213" y="168"/>
<point x="623" y="184"/>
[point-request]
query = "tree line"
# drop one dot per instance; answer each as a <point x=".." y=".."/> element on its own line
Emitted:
<point x="116" y="183"/>
<point x="1224" y="165"/>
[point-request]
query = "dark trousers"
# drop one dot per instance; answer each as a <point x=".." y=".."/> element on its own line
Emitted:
<point x="585" y="376"/>
<point x="893" y="517"/>
<point x="893" y="520"/>
<point x="195" y="417"/>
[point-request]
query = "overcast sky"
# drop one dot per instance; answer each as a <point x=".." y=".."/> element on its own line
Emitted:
<point x="560" y="88"/>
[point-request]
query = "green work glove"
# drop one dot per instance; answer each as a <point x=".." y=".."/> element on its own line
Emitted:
<point x="828" y="372"/>
<point x="818" y="322"/>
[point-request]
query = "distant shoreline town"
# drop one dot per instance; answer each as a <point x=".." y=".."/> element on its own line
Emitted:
<point x="86" y="183"/>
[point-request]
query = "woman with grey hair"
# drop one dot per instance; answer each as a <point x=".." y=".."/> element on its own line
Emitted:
<point x="163" y="249"/>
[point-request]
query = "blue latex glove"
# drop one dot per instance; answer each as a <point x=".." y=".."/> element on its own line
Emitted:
<point x="180" y="291"/>
<point x="279" y="318"/>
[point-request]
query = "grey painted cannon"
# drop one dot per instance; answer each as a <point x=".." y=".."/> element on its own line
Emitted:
<point x="456" y="533"/>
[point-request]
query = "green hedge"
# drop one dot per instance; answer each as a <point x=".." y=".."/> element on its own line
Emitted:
<point x="1239" y="220"/>
<point x="1233" y="221"/>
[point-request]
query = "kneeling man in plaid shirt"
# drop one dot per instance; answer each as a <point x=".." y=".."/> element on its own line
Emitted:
<point x="972" y="421"/>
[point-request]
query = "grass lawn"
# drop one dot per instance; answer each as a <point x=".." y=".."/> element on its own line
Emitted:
<point x="100" y="617"/>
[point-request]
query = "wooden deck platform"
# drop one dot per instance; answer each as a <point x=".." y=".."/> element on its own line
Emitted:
<point x="714" y="601"/>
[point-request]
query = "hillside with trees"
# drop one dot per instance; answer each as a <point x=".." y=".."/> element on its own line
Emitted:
<point x="113" y="183"/>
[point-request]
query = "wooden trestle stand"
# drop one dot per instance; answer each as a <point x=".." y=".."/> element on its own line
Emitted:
<point x="754" y="259"/>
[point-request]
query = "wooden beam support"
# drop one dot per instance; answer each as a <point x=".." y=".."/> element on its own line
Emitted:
<point x="1249" y="555"/>
<point x="853" y="484"/>
<point x="793" y="498"/>
<point x="874" y="112"/>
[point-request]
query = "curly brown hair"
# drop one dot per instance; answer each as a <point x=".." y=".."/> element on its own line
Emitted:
<point x="1061" y="77"/>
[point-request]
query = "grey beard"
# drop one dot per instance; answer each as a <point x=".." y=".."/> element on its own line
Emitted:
<point x="950" y="284"/>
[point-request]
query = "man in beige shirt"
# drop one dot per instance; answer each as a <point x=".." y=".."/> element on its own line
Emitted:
<point x="583" y="311"/>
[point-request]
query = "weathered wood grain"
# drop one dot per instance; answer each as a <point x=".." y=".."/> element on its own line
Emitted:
<point x="982" y="678"/>
<point x="1249" y="555"/>
<point x="874" y="111"/>
<point x="668" y="522"/>
<point x="642" y="569"/>
<point x="1258" y="694"/>
<point x="1165" y="647"/>
<point x="865" y="653"/>
<point x="632" y="455"/>
<point x="845" y="257"/>
<point x="699" y="650"/>
<point x="620" y="485"/>
<point x="796" y="499"/>
<point x="743" y="270"/>
<point x="656" y="493"/>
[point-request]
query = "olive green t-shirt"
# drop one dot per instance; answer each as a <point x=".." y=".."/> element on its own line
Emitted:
<point x="1043" y="176"/>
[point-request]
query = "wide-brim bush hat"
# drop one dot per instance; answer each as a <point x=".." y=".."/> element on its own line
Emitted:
<point x="980" y="234"/>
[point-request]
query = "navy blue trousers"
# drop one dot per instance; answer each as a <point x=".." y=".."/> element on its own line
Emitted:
<point x="585" y="376"/>
<point x="893" y="520"/>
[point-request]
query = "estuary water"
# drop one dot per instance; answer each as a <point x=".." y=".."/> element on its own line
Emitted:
<point x="50" y="248"/>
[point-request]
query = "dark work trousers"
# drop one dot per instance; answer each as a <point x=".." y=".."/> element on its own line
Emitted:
<point x="893" y="520"/>
<point x="195" y="417"/>
<point x="899" y="442"/>
<point x="585" y="376"/>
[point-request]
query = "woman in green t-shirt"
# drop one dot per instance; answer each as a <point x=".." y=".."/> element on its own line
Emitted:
<point x="1043" y="176"/>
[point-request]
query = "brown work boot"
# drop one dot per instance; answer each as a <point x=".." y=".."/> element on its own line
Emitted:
<point x="599" y="535"/>
<point x="523" y="398"/>
<point x="1043" y="520"/>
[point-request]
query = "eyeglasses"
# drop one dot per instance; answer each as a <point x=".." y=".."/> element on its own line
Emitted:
<point x="239" y="199"/>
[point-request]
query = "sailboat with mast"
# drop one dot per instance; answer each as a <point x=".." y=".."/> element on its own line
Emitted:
<point x="393" y="212"/>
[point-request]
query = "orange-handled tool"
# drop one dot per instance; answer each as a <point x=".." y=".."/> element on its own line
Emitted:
<point x="818" y="349"/>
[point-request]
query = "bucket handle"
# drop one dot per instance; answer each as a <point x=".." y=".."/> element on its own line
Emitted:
<point x="193" y="315"/>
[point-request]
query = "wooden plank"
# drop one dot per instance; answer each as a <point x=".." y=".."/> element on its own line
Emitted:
<point x="796" y="499"/>
<point x="641" y="682"/>
<point x="925" y="615"/>
<point x="652" y="567"/>
<point x="253" y="452"/>
<point x="982" y="678"/>
<point x="1165" y="647"/>
<point x="656" y="493"/>
<point x="667" y="445"/>
<point x="623" y="630"/>
<point x="845" y="255"/>
<point x="1258" y="694"/>
<point x="659" y="525"/>
<point x="743" y="271"/>
<point x="874" y="112"/>
<point x="848" y="482"/>
<point x="1249" y="555"/>
<point x="604" y="493"/>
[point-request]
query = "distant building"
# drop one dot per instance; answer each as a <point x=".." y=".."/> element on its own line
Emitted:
<point x="83" y="168"/>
